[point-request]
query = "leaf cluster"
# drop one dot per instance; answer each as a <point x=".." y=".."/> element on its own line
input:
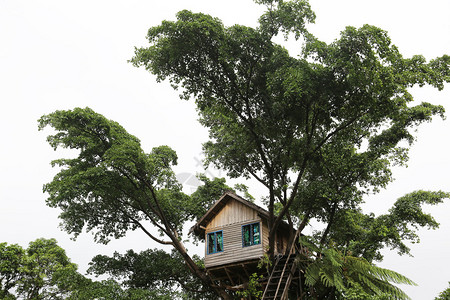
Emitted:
<point x="328" y="124"/>
<point x="42" y="271"/>
<point x="318" y="131"/>
<point x="152" y="270"/>
<point x="331" y="270"/>
<point x="366" y="235"/>
<point x="444" y="295"/>
<point x="112" y="186"/>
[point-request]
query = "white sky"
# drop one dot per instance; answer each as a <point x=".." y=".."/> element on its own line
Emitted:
<point x="65" y="54"/>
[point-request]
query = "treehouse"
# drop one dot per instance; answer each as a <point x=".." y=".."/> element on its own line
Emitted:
<point x="236" y="237"/>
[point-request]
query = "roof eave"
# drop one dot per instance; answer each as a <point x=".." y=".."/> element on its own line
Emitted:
<point x="199" y="227"/>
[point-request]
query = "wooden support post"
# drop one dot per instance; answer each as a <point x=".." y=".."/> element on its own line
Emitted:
<point x="229" y="276"/>
<point x="245" y="270"/>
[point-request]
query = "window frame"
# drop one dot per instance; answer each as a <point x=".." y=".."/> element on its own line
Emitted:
<point x="251" y="234"/>
<point x="215" y="242"/>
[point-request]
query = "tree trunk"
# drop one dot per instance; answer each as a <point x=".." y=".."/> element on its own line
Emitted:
<point x="198" y="272"/>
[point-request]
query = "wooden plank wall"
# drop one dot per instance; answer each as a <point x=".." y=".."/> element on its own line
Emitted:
<point x="265" y="235"/>
<point x="281" y="240"/>
<point x="230" y="219"/>
<point x="232" y="247"/>
<point x="233" y="212"/>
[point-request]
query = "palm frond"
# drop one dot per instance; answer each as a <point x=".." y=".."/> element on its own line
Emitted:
<point x="332" y="269"/>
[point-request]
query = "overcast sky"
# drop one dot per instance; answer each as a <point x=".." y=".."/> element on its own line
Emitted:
<point x="65" y="54"/>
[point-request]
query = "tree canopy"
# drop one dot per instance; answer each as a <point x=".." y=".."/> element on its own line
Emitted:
<point x="318" y="131"/>
<point x="44" y="272"/>
<point x="113" y="186"/>
<point x="445" y="294"/>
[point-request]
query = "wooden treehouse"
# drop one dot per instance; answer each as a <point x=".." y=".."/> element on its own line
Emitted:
<point x="236" y="238"/>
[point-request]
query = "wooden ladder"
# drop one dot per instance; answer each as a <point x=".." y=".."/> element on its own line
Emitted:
<point x="281" y="277"/>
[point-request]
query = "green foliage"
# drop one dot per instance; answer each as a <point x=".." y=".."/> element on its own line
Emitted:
<point x="42" y="271"/>
<point x="205" y="195"/>
<point x="112" y="290"/>
<point x="444" y="295"/>
<point x="112" y="186"/>
<point x="227" y="93"/>
<point x="319" y="131"/>
<point x="280" y="17"/>
<point x="348" y="274"/>
<point x="266" y="263"/>
<point x="253" y="290"/>
<point x="45" y="268"/>
<point x="153" y="270"/>
<point x="11" y="267"/>
<point x="244" y="190"/>
<point x="369" y="234"/>
<point x="357" y="293"/>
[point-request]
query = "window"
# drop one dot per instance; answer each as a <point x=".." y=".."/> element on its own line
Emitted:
<point x="215" y="242"/>
<point x="251" y="235"/>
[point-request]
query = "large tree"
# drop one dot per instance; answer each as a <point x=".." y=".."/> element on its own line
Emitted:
<point x="41" y="271"/>
<point x="153" y="270"/>
<point x="319" y="131"/>
<point x="113" y="186"/>
<point x="44" y="272"/>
